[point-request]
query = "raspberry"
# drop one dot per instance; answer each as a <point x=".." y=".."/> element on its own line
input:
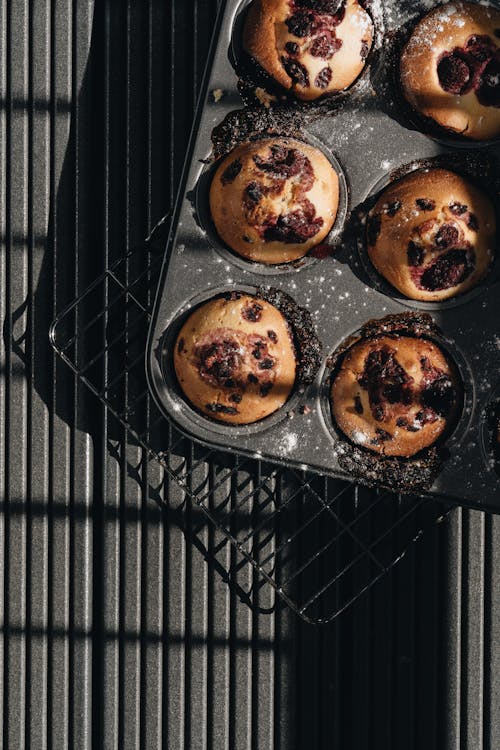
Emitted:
<point x="231" y="172"/>
<point x="454" y="73"/>
<point x="325" y="46"/>
<point x="292" y="48"/>
<point x="448" y="271"/>
<point x="425" y="204"/>
<point x="488" y="91"/>
<point x="458" y="209"/>
<point x="323" y="78"/>
<point x="296" y="71"/>
<point x="301" y="24"/>
<point x="415" y="254"/>
<point x="447" y="236"/>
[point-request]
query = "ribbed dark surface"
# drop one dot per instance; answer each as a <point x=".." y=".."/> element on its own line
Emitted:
<point x="117" y="632"/>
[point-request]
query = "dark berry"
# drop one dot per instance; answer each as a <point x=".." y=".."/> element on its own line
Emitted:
<point x="358" y="406"/>
<point x="426" y="416"/>
<point x="447" y="236"/>
<point x="488" y="91"/>
<point x="252" y="194"/>
<point x="323" y="78"/>
<point x="283" y="163"/>
<point x="236" y="398"/>
<point x="416" y="255"/>
<point x="373" y="229"/>
<point x="272" y="337"/>
<point x="292" y="48"/>
<point x="458" y="209"/>
<point x="473" y="222"/>
<point x="385" y="380"/>
<point x="450" y="269"/>
<point x="425" y="204"/>
<point x="392" y="208"/>
<point x="301" y="24"/>
<point x="265" y="388"/>
<point x="252" y="378"/>
<point x="439" y="396"/>
<point x="295" y="227"/>
<point x="325" y="46"/>
<point x="383" y="436"/>
<point x="252" y="312"/>
<point x="296" y="71"/>
<point x="266" y="364"/>
<point x="479" y="47"/>
<point x="218" y="361"/>
<point x="221" y="409"/>
<point x="231" y="172"/>
<point x="454" y="73"/>
<point x="180" y="346"/>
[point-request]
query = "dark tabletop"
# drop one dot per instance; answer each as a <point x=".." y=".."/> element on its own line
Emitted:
<point x="118" y="632"/>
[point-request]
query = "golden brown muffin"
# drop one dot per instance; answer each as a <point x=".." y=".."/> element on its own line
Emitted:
<point x="450" y="69"/>
<point x="308" y="47"/>
<point x="432" y="235"/>
<point x="235" y="360"/>
<point x="394" y="395"/>
<point x="273" y="200"/>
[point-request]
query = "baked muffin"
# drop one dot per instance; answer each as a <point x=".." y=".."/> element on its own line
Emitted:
<point x="235" y="359"/>
<point x="432" y="235"/>
<point x="395" y="395"/>
<point x="273" y="200"/>
<point x="308" y="46"/>
<point x="450" y="69"/>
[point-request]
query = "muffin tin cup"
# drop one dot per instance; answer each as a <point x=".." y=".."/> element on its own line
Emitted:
<point x="191" y="418"/>
<point x="462" y="166"/>
<point x="372" y="146"/>
<point x="393" y="48"/>
<point x="488" y="430"/>
<point x="454" y="435"/>
<point x="202" y="212"/>
<point x="251" y="73"/>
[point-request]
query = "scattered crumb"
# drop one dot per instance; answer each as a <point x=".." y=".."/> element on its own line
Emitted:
<point x="265" y="97"/>
<point x="217" y="95"/>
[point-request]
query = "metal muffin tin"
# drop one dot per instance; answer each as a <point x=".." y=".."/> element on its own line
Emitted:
<point x="371" y="137"/>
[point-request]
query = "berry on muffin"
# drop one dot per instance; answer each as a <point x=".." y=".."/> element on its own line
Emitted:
<point x="311" y="47"/>
<point x="235" y="359"/>
<point x="273" y="200"/>
<point x="395" y="395"/>
<point x="450" y="69"/>
<point x="432" y="235"/>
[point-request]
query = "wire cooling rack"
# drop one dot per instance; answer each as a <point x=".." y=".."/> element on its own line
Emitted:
<point x="317" y="542"/>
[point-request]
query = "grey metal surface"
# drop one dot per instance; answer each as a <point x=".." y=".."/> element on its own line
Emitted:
<point x="339" y="293"/>
<point x="116" y="631"/>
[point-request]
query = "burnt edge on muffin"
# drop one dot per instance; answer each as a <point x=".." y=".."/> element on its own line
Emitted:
<point x="255" y="124"/>
<point x="307" y="345"/>
<point x="252" y="76"/>
<point x="405" y="475"/>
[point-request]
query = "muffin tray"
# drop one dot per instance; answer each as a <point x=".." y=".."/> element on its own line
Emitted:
<point x="370" y="135"/>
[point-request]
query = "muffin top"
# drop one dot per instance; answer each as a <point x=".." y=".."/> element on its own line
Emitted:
<point x="235" y="359"/>
<point x="450" y="69"/>
<point x="309" y="46"/>
<point x="272" y="200"/>
<point x="394" y="395"/>
<point x="432" y="235"/>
